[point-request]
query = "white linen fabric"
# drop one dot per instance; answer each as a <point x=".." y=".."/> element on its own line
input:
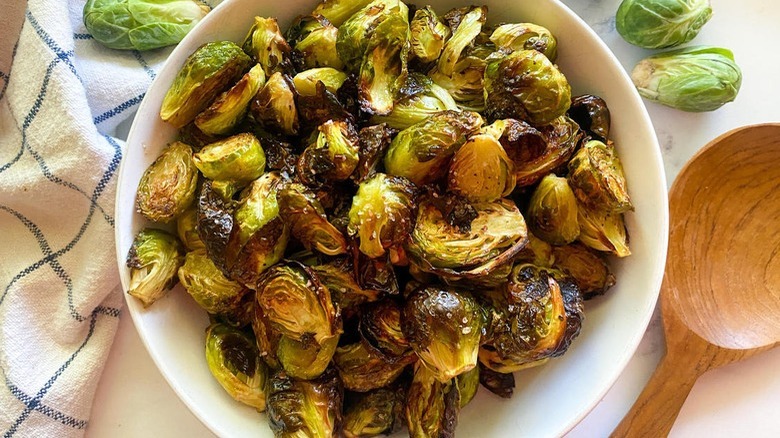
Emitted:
<point x="62" y="98"/>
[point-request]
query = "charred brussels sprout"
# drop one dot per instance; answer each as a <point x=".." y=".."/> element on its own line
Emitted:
<point x="305" y="408"/>
<point x="526" y="85"/>
<point x="308" y="223"/>
<point x="371" y="414"/>
<point x="274" y="106"/>
<point x="383" y="63"/>
<point x="318" y="47"/>
<point x="468" y="384"/>
<point x="239" y="157"/>
<point x="333" y="156"/>
<point x="266" y="45"/>
<point x="536" y="252"/>
<point x="422" y="152"/>
<point x="208" y="286"/>
<point x="592" y="114"/>
<point x="374" y="142"/>
<point x="444" y="328"/>
<point x="526" y="36"/>
<point x="344" y="289"/>
<point x="304" y="359"/>
<point x="465" y="84"/>
<point x="362" y="369"/>
<point x="428" y="34"/>
<point x="417" y="107"/>
<point x="215" y="223"/>
<point x="380" y="327"/>
<point x="355" y="34"/>
<point x="383" y="213"/>
<point x="500" y="384"/>
<point x="168" y="185"/>
<point x="596" y="176"/>
<point x="187" y="230"/>
<point x="230" y="107"/>
<point x="481" y="171"/>
<point x="153" y="260"/>
<point x="234" y="362"/>
<point x="432" y="407"/>
<point x="205" y="74"/>
<point x="603" y="231"/>
<point x="561" y="137"/>
<point x="467" y="29"/>
<point x="552" y="211"/>
<point x="141" y="24"/>
<point x="338" y="11"/>
<point x="658" y="24"/>
<point x="587" y="269"/>
<point x="306" y="81"/>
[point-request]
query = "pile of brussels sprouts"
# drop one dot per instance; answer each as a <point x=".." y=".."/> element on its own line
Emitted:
<point x="381" y="209"/>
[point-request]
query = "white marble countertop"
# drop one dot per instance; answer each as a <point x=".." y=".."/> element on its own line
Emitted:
<point x="741" y="399"/>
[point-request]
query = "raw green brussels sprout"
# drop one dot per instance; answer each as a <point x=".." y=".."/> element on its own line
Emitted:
<point x="304" y="359"/>
<point x="429" y="100"/>
<point x="465" y="84"/>
<point x="561" y="139"/>
<point x="592" y="114"/>
<point x="266" y="45"/>
<point x="383" y="64"/>
<point x="422" y="152"/>
<point x="374" y="141"/>
<point x="500" y="384"/>
<point x="305" y="408"/>
<point x="214" y="223"/>
<point x="526" y="85"/>
<point x="344" y="289"/>
<point x="239" y="157"/>
<point x="495" y="235"/>
<point x="141" y="24"/>
<point x="428" y="34"/>
<point x="658" y="24"/>
<point x="297" y="304"/>
<point x="306" y="81"/>
<point x="481" y="171"/>
<point x="536" y="252"/>
<point x="372" y="413"/>
<point x="444" y="328"/>
<point x="468" y="384"/>
<point x="317" y="48"/>
<point x="233" y="360"/>
<point x="586" y="268"/>
<point x="338" y="11"/>
<point x="153" y="260"/>
<point x="168" y="185"/>
<point x="432" y="407"/>
<point x="274" y="106"/>
<point x="383" y="213"/>
<point x="596" y="176"/>
<point x="552" y="211"/>
<point x="693" y="79"/>
<point x="356" y="33"/>
<point x="526" y="36"/>
<point x="208" y="286"/>
<point x="304" y="214"/>
<point x="466" y="31"/>
<point x="230" y="107"/>
<point x="205" y="74"/>
<point x="603" y="231"/>
<point x="363" y="369"/>
<point x="380" y="327"/>
<point x="334" y="155"/>
<point x="187" y="230"/>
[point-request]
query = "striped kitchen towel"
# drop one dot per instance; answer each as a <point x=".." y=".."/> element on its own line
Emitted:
<point x="64" y="103"/>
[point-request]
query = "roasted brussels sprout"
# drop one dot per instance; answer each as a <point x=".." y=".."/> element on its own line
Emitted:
<point x="536" y="252"/>
<point x="432" y="407"/>
<point x="428" y="34"/>
<point x="234" y="362"/>
<point x="266" y="45"/>
<point x="376" y="273"/>
<point x="500" y="384"/>
<point x="187" y="230"/>
<point x="305" y="408"/>
<point x="380" y="327"/>
<point x="304" y="214"/>
<point x="465" y="84"/>
<point x="230" y="107"/>
<point x="228" y="188"/>
<point x="356" y="32"/>
<point x="526" y="36"/>
<point x="205" y="74"/>
<point x="481" y="171"/>
<point x="592" y="114"/>
<point x="168" y="185"/>
<point x="215" y="223"/>
<point x="141" y="24"/>
<point x="323" y="106"/>
<point x="344" y="289"/>
<point x="383" y="213"/>
<point x="468" y="384"/>
<point x="552" y="211"/>
<point x="603" y="230"/>
<point x="362" y="369"/>
<point x="306" y="81"/>
<point x="658" y="24"/>
<point x="562" y="138"/>
<point x="526" y="85"/>
<point x="318" y="47"/>
<point x="239" y="158"/>
<point x="429" y="100"/>
<point x="422" y="152"/>
<point x="586" y="268"/>
<point x="338" y="11"/>
<point x="267" y="339"/>
<point x="153" y="260"/>
<point x="275" y="107"/>
<point x="334" y="155"/>
<point x="383" y="63"/>
<point x="596" y="176"/>
<point x="466" y="30"/>
<point x="193" y="136"/>
<point x="575" y="311"/>
<point x="693" y="79"/>
<point x="374" y="141"/>
<point x="304" y="359"/>
<point x="444" y="328"/>
<point x="208" y="286"/>
<point x="372" y="413"/>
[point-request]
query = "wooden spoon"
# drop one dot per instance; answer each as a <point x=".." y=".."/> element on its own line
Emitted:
<point x="720" y="298"/>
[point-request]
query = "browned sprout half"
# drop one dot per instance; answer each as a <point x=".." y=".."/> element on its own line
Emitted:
<point x="332" y="157"/>
<point x="425" y="100"/>
<point x="266" y="45"/>
<point x="372" y="413"/>
<point x="208" y="286"/>
<point x="468" y="384"/>
<point x="383" y="64"/>
<point x="562" y="137"/>
<point x="234" y="362"/>
<point x="303" y="359"/>
<point x="380" y="327"/>
<point x="500" y="384"/>
<point x="465" y="84"/>
<point x="526" y="36"/>
<point x="306" y="218"/>
<point x="552" y="211"/>
<point x="305" y="408"/>
<point x="592" y="114"/>
<point x="373" y="143"/>
<point x="603" y="231"/>
<point x="481" y="170"/>
<point x="275" y="107"/>
<point x="207" y="72"/>
<point x="227" y="111"/>
<point x="468" y="27"/>
<point x="363" y="369"/>
<point x="306" y="81"/>
<point x="428" y="34"/>
<point x="432" y="407"/>
<point x="356" y="32"/>
<point x="316" y="45"/>
<point x="187" y="230"/>
<point x="345" y="291"/>
<point x="153" y="259"/>
<point x="236" y="158"/>
<point x="596" y="175"/>
<point x="214" y="223"/>
<point x="168" y="185"/>
<point x="377" y="273"/>
<point x="587" y="268"/>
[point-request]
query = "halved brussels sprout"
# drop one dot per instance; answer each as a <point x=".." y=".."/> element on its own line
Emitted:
<point x="425" y="102"/>
<point x="588" y="269"/>
<point x="318" y="47"/>
<point x="526" y="36"/>
<point x="153" y="260"/>
<point x="267" y="339"/>
<point x="552" y="211"/>
<point x="468" y="384"/>
<point x="266" y="45"/>
<point x="231" y="106"/>
<point x="306" y="81"/>
<point x="380" y="327"/>
<point x="258" y="206"/>
<point x="428" y="34"/>
<point x="575" y="311"/>
<point x="592" y="114"/>
<point x="205" y="74"/>
<point x="658" y="24"/>
<point x="432" y="407"/>
<point x="304" y="214"/>
<point x="344" y="289"/>
<point x="215" y="223"/>
<point x="168" y="185"/>
<point x="444" y="328"/>
<point x="422" y="152"/>
<point x="333" y="156"/>
<point x="214" y="292"/>
<point x="465" y="84"/>
<point x="603" y="231"/>
<point x="467" y="29"/>
<point x="526" y="85"/>
<point x="274" y="107"/>
<point x="383" y="64"/>
<point x="305" y="408"/>
<point x="383" y="213"/>
<point x="596" y="176"/>
<point x="536" y="252"/>
<point x="297" y="304"/>
<point x="562" y="137"/>
<point x="233" y="360"/>
<point x="372" y="413"/>
<point x="374" y="141"/>
<point x="187" y="230"/>
<point x="362" y="369"/>
<point x="338" y="11"/>
<point x="303" y="359"/>
<point x="481" y="171"/>
<point x="356" y="32"/>
<point x="377" y="273"/>
<point x="236" y="158"/>
<point x="500" y="384"/>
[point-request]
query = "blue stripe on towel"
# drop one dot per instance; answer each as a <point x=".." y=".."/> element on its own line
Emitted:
<point x="82" y="36"/>
<point x="43" y="409"/>
<point x="122" y="107"/>
<point x="139" y="57"/>
<point x="49" y="41"/>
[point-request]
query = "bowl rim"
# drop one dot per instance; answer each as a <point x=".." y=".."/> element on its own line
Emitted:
<point x="658" y="269"/>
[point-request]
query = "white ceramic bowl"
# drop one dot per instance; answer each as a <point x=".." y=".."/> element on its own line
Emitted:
<point x="548" y="400"/>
